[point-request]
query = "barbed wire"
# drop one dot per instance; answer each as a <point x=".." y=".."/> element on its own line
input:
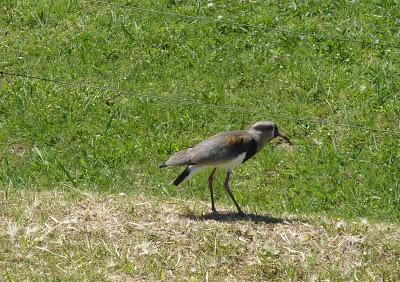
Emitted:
<point x="245" y="25"/>
<point x="240" y="110"/>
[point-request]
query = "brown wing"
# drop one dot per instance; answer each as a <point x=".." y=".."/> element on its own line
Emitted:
<point x="223" y="147"/>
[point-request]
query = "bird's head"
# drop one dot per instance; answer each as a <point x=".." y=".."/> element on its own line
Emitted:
<point x="267" y="130"/>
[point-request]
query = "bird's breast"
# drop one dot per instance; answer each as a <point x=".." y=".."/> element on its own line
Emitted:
<point x="231" y="163"/>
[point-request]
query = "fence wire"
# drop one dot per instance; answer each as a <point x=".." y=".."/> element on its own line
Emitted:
<point x="240" y="110"/>
<point x="245" y="25"/>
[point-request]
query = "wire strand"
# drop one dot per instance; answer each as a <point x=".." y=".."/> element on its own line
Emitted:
<point x="240" y="110"/>
<point x="263" y="27"/>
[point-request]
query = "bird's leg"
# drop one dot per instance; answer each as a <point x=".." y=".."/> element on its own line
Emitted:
<point x="210" y="185"/>
<point x="228" y="190"/>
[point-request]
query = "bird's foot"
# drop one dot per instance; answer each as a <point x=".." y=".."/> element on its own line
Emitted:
<point x="214" y="210"/>
<point x="241" y="214"/>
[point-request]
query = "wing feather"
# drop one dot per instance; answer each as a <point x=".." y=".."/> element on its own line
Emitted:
<point x="223" y="147"/>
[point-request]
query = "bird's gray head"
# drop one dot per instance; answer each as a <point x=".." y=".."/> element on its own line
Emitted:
<point x="265" y="131"/>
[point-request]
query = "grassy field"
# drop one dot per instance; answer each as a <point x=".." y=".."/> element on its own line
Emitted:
<point x="164" y="83"/>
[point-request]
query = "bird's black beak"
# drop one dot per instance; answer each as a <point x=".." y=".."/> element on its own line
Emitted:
<point x="283" y="136"/>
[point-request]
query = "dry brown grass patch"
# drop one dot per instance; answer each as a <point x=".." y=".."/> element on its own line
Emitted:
<point x="48" y="235"/>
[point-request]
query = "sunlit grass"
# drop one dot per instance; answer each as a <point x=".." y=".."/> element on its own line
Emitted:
<point x="109" y="141"/>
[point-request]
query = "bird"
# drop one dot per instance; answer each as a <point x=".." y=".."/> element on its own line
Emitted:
<point x="225" y="150"/>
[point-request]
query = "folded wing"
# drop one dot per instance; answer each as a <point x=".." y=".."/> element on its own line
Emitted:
<point x="223" y="148"/>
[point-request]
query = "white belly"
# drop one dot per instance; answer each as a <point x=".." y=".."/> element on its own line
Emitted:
<point x="233" y="162"/>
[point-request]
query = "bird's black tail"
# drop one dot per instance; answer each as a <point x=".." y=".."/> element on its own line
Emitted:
<point x="182" y="176"/>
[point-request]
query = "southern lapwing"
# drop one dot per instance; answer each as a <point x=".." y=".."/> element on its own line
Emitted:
<point x="224" y="150"/>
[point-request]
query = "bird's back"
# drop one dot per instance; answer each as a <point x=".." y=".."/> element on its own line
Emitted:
<point x="217" y="149"/>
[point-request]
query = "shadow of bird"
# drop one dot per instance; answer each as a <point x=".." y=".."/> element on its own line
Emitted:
<point x="234" y="217"/>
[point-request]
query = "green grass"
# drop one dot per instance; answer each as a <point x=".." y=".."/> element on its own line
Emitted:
<point x="52" y="135"/>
